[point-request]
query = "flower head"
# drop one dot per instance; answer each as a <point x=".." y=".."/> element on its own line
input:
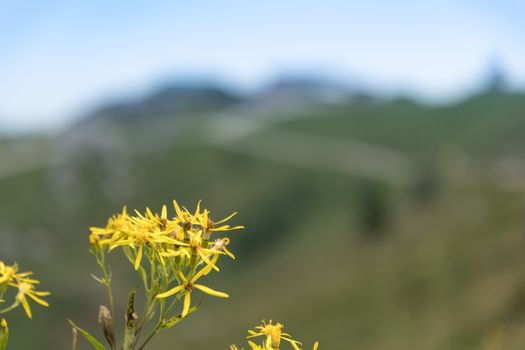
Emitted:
<point x="28" y="290"/>
<point x="187" y="287"/>
<point x="272" y="335"/>
<point x="185" y="235"/>
<point x="10" y="277"/>
<point x="10" y="274"/>
<point x="166" y="250"/>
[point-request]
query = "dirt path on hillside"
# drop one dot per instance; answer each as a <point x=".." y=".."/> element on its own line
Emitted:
<point x="261" y="139"/>
<point x="349" y="157"/>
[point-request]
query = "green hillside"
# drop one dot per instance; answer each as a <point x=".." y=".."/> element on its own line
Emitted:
<point x="368" y="226"/>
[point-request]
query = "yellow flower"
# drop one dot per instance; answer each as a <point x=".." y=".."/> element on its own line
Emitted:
<point x="10" y="277"/>
<point x="136" y="232"/>
<point x="254" y="346"/>
<point x="179" y="243"/>
<point x="7" y="273"/>
<point x="184" y="218"/>
<point x="273" y="334"/>
<point x="27" y="289"/>
<point x="196" y="229"/>
<point x="113" y="230"/>
<point x="220" y="244"/>
<point x="210" y="226"/>
<point x="188" y="285"/>
<point x="195" y="248"/>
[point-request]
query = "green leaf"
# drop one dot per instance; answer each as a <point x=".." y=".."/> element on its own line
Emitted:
<point x="96" y="344"/>
<point x="4" y="337"/>
<point x="100" y="280"/>
<point x="176" y="319"/>
<point x="130" y="331"/>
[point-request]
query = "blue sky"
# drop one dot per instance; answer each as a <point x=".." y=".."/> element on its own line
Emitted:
<point x="59" y="57"/>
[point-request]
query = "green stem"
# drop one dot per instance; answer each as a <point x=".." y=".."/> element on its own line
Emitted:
<point x="141" y="271"/>
<point x="107" y="279"/>
<point x="156" y="329"/>
<point x="173" y="303"/>
<point x="149" y="308"/>
<point x="7" y="309"/>
<point x="153" y="333"/>
<point x="163" y="312"/>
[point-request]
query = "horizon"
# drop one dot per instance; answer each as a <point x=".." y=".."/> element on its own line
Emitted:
<point x="138" y="94"/>
<point x="60" y="60"/>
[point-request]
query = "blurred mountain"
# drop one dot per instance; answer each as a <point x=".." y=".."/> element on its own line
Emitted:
<point x="168" y="101"/>
<point x="496" y="78"/>
<point x="179" y="99"/>
<point x="309" y="89"/>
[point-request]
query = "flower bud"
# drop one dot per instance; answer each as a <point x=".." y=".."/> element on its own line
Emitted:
<point x="93" y="239"/>
<point x="106" y="322"/>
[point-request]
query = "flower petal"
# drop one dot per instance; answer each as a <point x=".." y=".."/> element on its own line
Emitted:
<point x="210" y="291"/>
<point x="170" y="292"/>
<point x="139" y="258"/>
<point x="187" y="302"/>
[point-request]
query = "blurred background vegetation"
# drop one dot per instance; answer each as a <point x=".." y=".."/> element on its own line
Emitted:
<point x="374" y="224"/>
<point x="376" y="218"/>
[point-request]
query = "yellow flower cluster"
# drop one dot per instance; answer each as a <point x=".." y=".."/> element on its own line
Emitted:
<point x="22" y="281"/>
<point x="272" y="335"/>
<point x="179" y="249"/>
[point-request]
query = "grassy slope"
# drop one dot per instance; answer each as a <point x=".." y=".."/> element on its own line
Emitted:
<point x="486" y="123"/>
